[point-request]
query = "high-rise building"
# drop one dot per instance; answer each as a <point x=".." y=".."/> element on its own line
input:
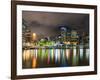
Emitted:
<point x="63" y="33"/>
<point x="26" y="34"/>
<point x="74" y="37"/>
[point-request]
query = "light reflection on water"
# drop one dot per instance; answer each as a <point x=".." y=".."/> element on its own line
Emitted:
<point x="41" y="57"/>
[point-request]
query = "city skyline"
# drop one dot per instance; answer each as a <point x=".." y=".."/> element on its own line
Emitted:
<point x="47" y="23"/>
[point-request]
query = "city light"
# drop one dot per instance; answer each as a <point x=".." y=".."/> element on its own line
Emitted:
<point x="66" y="49"/>
<point x="34" y="36"/>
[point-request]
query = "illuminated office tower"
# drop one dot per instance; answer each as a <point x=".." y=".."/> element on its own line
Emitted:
<point x="26" y="34"/>
<point x="74" y="38"/>
<point x="23" y="35"/>
<point x="85" y="40"/>
<point x="63" y="33"/>
<point x="68" y="35"/>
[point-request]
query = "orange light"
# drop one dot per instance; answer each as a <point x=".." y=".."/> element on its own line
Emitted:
<point x="34" y="36"/>
<point x="33" y="62"/>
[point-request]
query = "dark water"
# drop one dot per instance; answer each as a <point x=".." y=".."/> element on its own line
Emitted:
<point x="51" y="57"/>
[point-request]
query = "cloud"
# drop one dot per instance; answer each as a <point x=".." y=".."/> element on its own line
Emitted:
<point x="46" y="22"/>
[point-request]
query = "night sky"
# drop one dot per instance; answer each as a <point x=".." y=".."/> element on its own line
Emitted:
<point x="47" y="23"/>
